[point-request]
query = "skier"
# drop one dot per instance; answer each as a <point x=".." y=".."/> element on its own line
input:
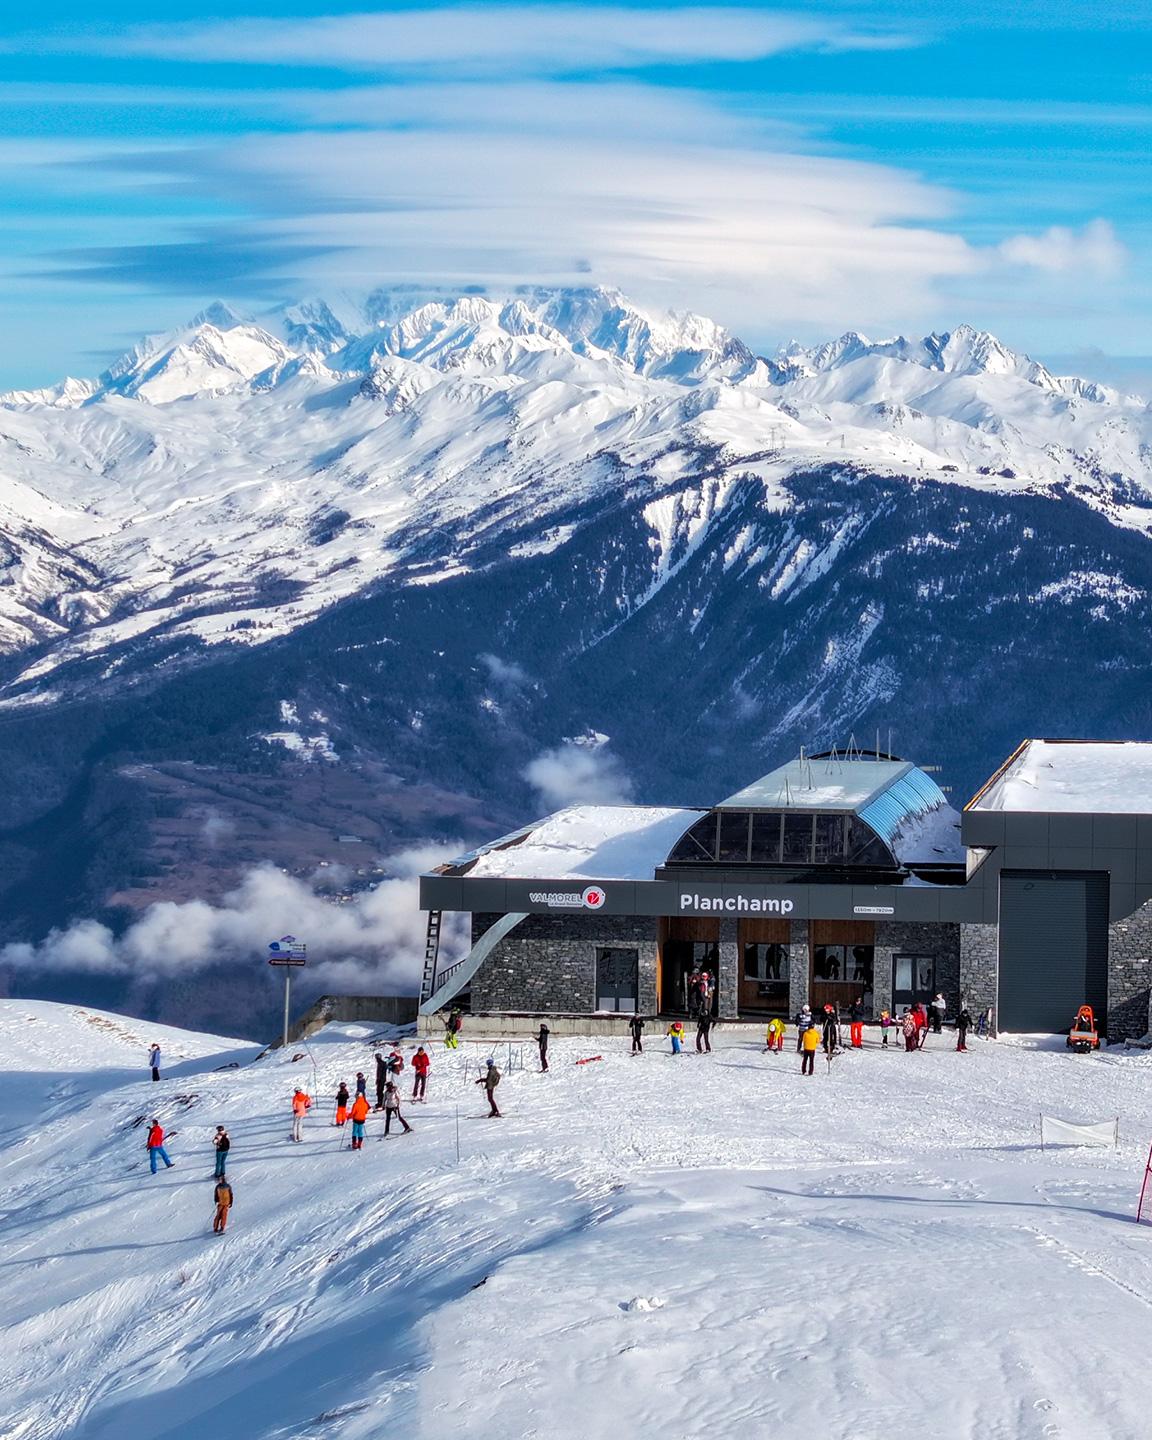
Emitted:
<point x="154" y="1060"/>
<point x="155" y="1146"/>
<point x="381" y="1079"/>
<point x="703" y="1026"/>
<point x="963" y="1024"/>
<point x="676" y="1034"/>
<point x="856" y="1023"/>
<point x="542" y="1043"/>
<point x="361" y="1083"/>
<point x="395" y="1062"/>
<point x="776" y="1028"/>
<point x="911" y="1030"/>
<point x="223" y="1145"/>
<point x="885" y="1026"/>
<point x="392" y="1107"/>
<point x="341" y="1105"/>
<point x="360" y="1112"/>
<point x="301" y="1104"/>
<point x="694" y="979"/>
<point x="223" y="1197"/>
<point x="831" y="1031"/>
<point x="421" y="1064"/>
<point x="707" y="991"/>
<point x="921" y="1026"/>
<point x="803" y="1020"/>
<point x="809" y="1043"/>
<point x="452" y="1028"/>
<point x="636" y="1026"/>
<point x="939" y="1005"/>
<point x="490" y="1079"/>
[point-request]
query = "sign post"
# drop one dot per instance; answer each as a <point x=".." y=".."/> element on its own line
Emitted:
<point x="287" y="952"/>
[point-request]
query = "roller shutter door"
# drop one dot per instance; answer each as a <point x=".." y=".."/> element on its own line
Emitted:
<point x="1053" y="947"/>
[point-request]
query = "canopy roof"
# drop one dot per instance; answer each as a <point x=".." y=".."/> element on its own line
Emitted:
<point x="585" y="842"/>
<point x="822" y="784"/>
<point x="1099" y="777"/>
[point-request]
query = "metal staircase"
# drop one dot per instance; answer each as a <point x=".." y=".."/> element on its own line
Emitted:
<point x="431" y="955"/>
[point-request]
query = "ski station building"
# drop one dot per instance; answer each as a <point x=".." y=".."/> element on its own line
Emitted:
<point x="833" y="878"/>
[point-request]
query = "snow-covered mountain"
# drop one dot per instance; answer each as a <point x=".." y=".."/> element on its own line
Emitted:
<point x="346" y="569"/>
<point x="226" y="483"/>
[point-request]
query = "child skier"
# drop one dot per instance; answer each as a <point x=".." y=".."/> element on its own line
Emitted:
<point x="636" y="1026"/>
<point x="223" y="1145"/>
<point x="223" y="1197"/>
<point x="963" y="1025"/>
<point x="392" y="1108"/>
<point x="776" y="1028"/>
<point x="301" y="1104"/>
<point x="452" y="1027"/>
<point x="676" y="1034"/>
<point x="803" y="1020"/>
<point x="421" y="1064"/>
<point x="341" y="1105"/>
<point x="360" y="1113"/>
<point x="490" y="1079"/>
<point x="885" y="1026"/>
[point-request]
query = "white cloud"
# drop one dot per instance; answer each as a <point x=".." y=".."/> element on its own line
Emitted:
<point x="578" y="774"/>
<point x="375" y="939"/>
<point x="1092" y="250"/>
<point x="539" y="39"/>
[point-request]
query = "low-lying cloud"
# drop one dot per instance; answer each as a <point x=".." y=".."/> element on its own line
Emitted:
<point x="374" y="940"/>
<point x="578" y="773"/>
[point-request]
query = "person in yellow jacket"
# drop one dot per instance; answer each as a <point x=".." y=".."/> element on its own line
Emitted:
<point x="676" y="1032"/>
<point x="809" y="1044"/>
<point x="776" y="1028"/>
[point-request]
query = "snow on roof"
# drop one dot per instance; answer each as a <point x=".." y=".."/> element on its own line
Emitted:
<point x="588" y="842"/>
<point x="1074" y="776"/>
<point x="822" y="784"/>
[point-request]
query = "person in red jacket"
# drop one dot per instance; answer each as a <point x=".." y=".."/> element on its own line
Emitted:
<point x="155" y="1144"/>
<point x="421" y="1064"/>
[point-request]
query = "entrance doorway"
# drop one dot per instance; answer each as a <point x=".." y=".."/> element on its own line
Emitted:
<point x="617" y="980"/>
<point x="687" y="944"/>
<point x="913" y="980"/>
<point x="842" y="964"/>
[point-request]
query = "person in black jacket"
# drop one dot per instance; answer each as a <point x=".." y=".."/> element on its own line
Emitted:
<point x="831" y="1030"/>
<point x="703" y="1026"/>
<point x="636" y="1026"/>
<point x="382" y="1068"/>
<point x="223" y="1145"/>
<point x="963" y="1024"/>
<point x="542" y="1043"/>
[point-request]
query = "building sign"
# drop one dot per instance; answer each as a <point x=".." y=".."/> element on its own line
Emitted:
<point x="736" y="904"/>
<point x="873" y="909"/>
<point x="592" y="898"/>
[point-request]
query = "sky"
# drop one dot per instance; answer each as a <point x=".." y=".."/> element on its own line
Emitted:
<point x="793" y="172"/>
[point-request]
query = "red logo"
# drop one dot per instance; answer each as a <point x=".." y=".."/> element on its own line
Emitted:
<point x="593" y="897"/>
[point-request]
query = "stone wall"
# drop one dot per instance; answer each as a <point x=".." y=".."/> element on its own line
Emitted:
<point x="1129" y="975"/>
<point x="980" y="968"/>
<point x="912" y="937"/>
<point x="799" y="965"/>
<point x="548" y="963"/>
<point x="728" y="981"/>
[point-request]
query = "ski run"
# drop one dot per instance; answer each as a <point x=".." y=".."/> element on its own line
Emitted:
<point x="704" y="1246"/>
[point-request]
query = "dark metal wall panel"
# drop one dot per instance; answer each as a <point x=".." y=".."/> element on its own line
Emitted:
<point x="1053" y="947"/>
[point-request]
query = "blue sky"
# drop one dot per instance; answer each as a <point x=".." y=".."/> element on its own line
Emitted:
<point x="790" y="171"/>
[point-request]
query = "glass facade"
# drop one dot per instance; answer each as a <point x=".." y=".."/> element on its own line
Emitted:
<point x="796" y="837"/>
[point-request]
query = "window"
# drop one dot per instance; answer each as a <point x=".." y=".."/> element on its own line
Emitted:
<point x="766" y="832"/>
<point x="850" y="965"/>
<point x="913" y="978"/>
<point x="865" y="847"/>
<point x="699" y="844"/>
<point x="734" y="837"/>
<point x="765" y="962"/>
<point x="798" y="839"/>
<point x="829" y="839"/>
<point x="616" y="979"/>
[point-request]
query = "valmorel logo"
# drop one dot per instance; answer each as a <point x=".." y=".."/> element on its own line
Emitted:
<point x="593" y="898"/>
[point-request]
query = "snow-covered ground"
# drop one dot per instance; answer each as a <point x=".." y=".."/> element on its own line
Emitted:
<point x="878" y="1249"/>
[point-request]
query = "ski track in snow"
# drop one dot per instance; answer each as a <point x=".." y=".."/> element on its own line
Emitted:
<point x="880" y="1245"/>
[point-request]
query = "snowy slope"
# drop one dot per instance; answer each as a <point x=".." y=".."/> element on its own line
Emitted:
<point x="226" y="483"/>
<point x="880" y="1246"/>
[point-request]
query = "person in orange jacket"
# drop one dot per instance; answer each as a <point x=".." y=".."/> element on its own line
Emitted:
<point x="360" y="1113"/>
<point x="223" y="1197"/>
<point x="809" y="1044"/>
<point x="301" y="1104"/>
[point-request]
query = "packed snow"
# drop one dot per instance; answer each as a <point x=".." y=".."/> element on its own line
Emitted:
<point x="704" y="1246"/>
<point x="1090" y="777"/>
<point x="591" y="842"/>
<point x="225" y="483"/>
